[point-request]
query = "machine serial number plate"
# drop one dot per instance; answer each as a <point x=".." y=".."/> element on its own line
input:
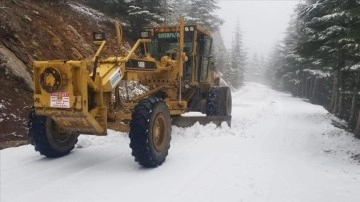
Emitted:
<point x="60" y="100"/>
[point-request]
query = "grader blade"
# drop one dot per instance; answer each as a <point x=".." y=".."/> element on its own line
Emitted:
<point x="188" y="121"/>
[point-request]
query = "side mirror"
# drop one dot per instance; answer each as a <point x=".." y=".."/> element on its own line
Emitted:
<point x="98" y="36"/>
<point x="144" y="34"/>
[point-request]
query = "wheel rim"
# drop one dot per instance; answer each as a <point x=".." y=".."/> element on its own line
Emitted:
<point x="158" y="132"/>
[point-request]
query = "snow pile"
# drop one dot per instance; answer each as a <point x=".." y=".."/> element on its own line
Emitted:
<point x="200" y="131"/>
<point x="336" y="142"/>
<point x="339" y="142"/>
<point x="92" y="141"/>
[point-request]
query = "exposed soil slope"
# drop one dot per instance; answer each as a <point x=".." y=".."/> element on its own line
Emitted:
<point x="40" y="30"/>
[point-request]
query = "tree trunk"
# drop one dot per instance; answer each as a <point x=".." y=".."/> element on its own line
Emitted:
<point x="341" y="93"/>
<point x="357" y="129"/>
<point x="313" y="98"/>
<point x="334" y="94"/>
<point x="311" y="86"/>
<point x="306" y="84"/>
<point x="306" y="89"/>
<point x="303" y="85"/>
<point x="353" y="110"/>
<point x="334" y="106"/>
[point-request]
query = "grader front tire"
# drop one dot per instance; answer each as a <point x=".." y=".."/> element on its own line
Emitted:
<point x="219" y="102"/>
<point x="150" y="132"/>
<point x="46" y="139"/>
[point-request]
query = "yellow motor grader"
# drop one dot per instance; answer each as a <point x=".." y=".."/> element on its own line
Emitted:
<point x="173" y="62"/>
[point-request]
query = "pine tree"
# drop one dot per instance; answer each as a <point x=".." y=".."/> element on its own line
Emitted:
<point x="220" y="54"/>
<point x="321" y="57"/>
<point x="274" y="65"/>
<point x="145" y="13"/>
<point x="238" y="58"/>
<point x="229" y="74"/>
<point x="201" y="12"/>
<point x="176" y="9"/>
<point x="254" y="68"/>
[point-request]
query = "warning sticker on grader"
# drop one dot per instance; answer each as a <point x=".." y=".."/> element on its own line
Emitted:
<point x="60" y="100"/>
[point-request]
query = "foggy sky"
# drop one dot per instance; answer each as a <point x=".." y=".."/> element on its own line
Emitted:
<point x="262" y="22"/>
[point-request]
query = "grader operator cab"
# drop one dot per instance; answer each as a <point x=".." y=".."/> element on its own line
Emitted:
<point x="173" y="62"/>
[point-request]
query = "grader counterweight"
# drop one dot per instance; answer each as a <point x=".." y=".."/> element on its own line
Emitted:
<point x="173" y="62"/>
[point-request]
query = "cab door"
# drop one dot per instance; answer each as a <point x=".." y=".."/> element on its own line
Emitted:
<point x="204" y="58"/>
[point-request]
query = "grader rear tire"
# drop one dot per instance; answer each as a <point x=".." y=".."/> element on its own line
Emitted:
<point x="150" y="132"/>
<point x="46" y="139"/>
<point x="219" y="102"/>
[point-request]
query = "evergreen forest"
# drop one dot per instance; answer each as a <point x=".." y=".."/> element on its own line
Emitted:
<point x="319" y="57"/>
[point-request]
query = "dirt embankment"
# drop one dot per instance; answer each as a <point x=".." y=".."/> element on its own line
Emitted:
<point x="40" y="30"/>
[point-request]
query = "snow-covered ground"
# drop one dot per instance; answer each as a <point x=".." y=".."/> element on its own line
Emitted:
<point x="279" y="148"/>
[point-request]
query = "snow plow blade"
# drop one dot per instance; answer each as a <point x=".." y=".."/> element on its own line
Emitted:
<point x="187" y="121"/>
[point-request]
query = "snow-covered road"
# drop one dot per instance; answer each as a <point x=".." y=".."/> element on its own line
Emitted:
<point x="279" y="148"/>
